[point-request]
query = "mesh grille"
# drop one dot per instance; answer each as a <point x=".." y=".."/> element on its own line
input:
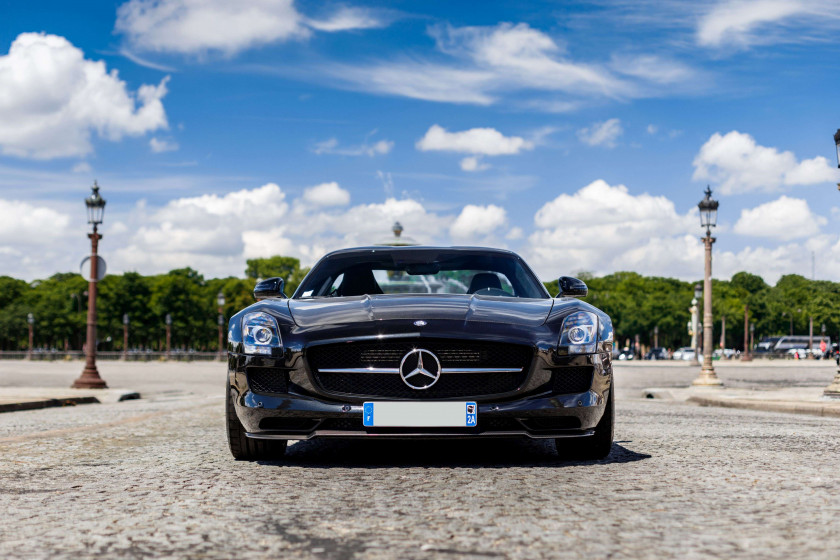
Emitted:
<point x="450" y="385"/>
<point x="577" y="379"/>
<point x="267" y="380"/>
<point x="451" y="353"/>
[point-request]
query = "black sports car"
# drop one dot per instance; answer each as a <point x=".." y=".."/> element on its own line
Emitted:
<point x="419" y="342"/>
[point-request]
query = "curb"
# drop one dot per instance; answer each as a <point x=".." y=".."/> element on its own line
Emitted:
<point x="45" y="403"/>
<point x="831" y="410"/>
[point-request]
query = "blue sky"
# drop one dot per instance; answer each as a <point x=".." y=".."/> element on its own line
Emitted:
<point x="579" y="134"/>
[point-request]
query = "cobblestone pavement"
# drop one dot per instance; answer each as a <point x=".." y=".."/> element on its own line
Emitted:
<point x="154" y="478"/>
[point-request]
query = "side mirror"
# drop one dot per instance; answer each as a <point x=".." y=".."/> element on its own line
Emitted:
<point x="572" y="287"/>
<point x="270" y="287"/>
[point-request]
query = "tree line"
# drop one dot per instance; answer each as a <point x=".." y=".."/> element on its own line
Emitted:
<point x="59" y="306"/>
<point x="637" y="304"/>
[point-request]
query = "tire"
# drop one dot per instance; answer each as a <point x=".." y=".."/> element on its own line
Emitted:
<point x="244" y="448"/>
<point x="596" y="446"/>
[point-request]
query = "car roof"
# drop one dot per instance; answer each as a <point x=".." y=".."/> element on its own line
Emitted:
<point x="414" y="248"/>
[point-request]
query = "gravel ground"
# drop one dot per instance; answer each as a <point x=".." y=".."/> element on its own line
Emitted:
<point x="154" y="478"/>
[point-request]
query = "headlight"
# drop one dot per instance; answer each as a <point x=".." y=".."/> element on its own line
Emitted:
<point x="579" y="334"/>
<point x="260" y="333"/>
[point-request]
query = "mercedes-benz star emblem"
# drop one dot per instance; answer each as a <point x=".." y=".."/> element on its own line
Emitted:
<point x="420" y="369"/>
<point x="420" y="323"/>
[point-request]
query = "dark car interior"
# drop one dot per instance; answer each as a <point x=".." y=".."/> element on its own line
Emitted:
<point x="465" y="273"/>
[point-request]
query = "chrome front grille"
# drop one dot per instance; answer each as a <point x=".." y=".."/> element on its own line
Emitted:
<point x="468" y="368"/>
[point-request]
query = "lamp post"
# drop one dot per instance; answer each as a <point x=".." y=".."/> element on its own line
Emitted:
<point x="168" y="334"/>
<point x="220" y="299"/>
<point x="695" y="341"/>
<point x="656" y="336"/>
<point x="708" y="219"/>
<point x="30" y="320"/>
<point x="752" y="339"/>
<point x="833" y="390"/>
<point x="125" y="336"/>
<point x="747" y="355"/>
<point x="89" y="379"/>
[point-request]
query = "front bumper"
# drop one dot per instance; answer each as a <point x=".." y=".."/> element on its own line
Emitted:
<point x="296" y="415"/>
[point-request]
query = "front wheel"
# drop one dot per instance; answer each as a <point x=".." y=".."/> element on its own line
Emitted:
<point x="244" y="448"/>
<point x="596" y="446"/>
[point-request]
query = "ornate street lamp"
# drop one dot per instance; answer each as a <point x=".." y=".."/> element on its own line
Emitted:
<point x="89" y="379"/>
<point x="168" y="334"/>
<point x="125" y="336"/>
<point x="30" y="320"/>
<point x="220" y="299"/>
<point x="708" y="219"/>
<point x="747" y="355"/>
<point x="833" y="390"/>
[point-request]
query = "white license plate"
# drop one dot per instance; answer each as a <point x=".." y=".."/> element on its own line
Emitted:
<point x="402" y="414"/>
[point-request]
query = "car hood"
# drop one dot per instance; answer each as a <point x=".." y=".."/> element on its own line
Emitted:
<point x="452" y="307"/>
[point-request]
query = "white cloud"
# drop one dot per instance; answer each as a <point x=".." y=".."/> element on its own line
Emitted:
<point x="741" y="23"/>
<point x="784" y="218"/>
<point x="348" y="18"/>
<point x="473" y="163"/>
<point x="652" y="68"/>
<point x="327" y="194"/>
<point x="478" y="141"/>
<point x="198" y="26"/>
<point x="515" y="233"/>
<point x="603" y="228"/>
<point x="652" y="129"/>
<point x="37" y="240"/>
<point x="474" y="221"/>
<point x="28" y="226"/>
<point x="217" y="233"/>
<point x="600" y="228"/>
<point x="162" y="145"/>
<point x="416" y="80"/>
<point x="486" y="63"/>
<point x="82" y="167"/>
<point x="740" y="165"/>
<point x="601" y="134"/>
<point x="52" y="99"/>
<point x="331" y="146"/>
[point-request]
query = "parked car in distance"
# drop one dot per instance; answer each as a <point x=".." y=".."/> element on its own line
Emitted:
<point x="626" y="354"/>
<point x="657" y="354"/>
<point x="797" y="353"/>
<point x="726" y="353"/>
<point x="684" y="353"/>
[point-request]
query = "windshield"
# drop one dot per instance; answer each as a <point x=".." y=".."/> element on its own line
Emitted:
<point x="421" y="271"/>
